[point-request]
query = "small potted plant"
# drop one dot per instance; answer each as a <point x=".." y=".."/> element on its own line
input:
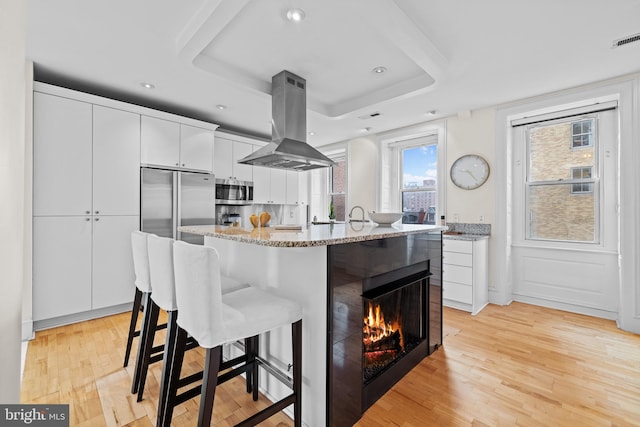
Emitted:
<point x="332" y="213"/>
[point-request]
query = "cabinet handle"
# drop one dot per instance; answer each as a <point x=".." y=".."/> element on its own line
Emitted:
<point x="87" y="212"/>
<point x="87" y="219"/>
<point x="183" y="165"/>
<point x="177" y="164"/>
<point x="97" y="219"/>
<point x="97" y="212"/>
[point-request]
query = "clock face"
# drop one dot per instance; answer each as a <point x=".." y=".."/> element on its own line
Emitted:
<point x="469" y="172"/>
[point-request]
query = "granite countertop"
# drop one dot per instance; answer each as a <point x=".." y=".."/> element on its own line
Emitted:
<point x="467" y="231"/>
<point x="310" y="235"/>
<point x="464" y="236"/>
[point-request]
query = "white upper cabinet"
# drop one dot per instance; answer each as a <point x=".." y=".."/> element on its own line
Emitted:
<point x="116" y="162"/>
<point x="297" y="188"/>
<point x="196" y="148"/>
<point x="61" y="156"/>
<point x="223" y="158"/>
<point x="159" y="142"/>
<point x="269" y="186"/>
<point x="226" y="156"/>
<point x="241" y="171"/>
<point x="175" y="145"/>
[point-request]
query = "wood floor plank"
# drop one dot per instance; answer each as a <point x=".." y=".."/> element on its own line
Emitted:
<point x="518" y="365"/>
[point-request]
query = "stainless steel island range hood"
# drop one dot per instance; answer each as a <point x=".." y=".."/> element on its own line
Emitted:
<point x="288" y="149"/>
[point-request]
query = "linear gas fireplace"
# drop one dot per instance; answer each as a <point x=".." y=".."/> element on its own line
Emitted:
<point x="381" y="323"/>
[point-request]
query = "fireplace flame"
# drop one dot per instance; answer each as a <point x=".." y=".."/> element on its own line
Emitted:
<point x="376" y="328"/>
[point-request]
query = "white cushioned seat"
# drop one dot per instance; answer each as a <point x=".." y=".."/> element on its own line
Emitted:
<point x="214" y="318"/>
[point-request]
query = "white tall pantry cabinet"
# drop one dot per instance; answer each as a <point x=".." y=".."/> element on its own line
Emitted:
<point x="86" y="203"/>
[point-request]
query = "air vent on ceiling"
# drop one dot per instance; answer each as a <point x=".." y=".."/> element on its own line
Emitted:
<point x="626" y="40"/>
<point x="369" y="116"/>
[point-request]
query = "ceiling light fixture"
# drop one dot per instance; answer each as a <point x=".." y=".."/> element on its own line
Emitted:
<point x="295" y="15"/>
<point x="431" y="113"/>
<point x="147" y="85"/>
<point x="379" y="70"/>
<point x="311" y="133"/>
<point x="221" y="107"/>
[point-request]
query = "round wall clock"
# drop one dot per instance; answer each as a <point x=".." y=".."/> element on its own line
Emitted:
<point x="469" y="171"/>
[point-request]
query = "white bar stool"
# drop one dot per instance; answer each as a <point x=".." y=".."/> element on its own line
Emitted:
<point x="214" y="319"/>
<point x="143" y="285"/>
<point x="160" y="251"/>
<point x="142" y="297"/>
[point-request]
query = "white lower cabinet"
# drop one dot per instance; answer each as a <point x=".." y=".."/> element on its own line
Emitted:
<point x="465" y="274"/>
<point x="81" y="263"/>
<point x="61" y="266"/>
<point x="112" y="277"/>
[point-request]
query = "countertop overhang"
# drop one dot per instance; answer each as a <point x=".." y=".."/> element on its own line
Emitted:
<point x="310" y="235"/>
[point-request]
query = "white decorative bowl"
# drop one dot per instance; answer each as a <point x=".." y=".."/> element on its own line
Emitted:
<point x="385" y="218"/>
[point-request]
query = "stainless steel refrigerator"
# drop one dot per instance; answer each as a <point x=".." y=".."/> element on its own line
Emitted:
<point x="169" y="199"/>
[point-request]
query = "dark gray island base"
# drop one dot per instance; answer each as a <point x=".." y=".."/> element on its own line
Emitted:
<point x="371" y="298"/>
<point x="402" y="276"/>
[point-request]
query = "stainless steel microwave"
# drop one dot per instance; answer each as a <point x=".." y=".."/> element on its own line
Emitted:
<point x="233" y="192"/>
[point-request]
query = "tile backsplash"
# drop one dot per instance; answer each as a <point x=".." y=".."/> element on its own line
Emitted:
<point x="469" y="228"/>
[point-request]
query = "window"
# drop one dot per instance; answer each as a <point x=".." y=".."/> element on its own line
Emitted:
<point x="579" y="173"/>
<point x="582" y="133"/>
<point x="337" y="188"/>
<point x="562" y="186"/>
<point x="419" y="184"/>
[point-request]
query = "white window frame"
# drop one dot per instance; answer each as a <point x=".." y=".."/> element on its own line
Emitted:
<point x="390" y="198"/>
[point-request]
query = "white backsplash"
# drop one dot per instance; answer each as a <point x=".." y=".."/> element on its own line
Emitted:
<point x="280" y="214"/>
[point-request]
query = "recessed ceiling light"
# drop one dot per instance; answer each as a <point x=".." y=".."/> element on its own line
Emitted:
<point x="295" y="15"/>
<point x="379" y="70"/>
<point x="221" y="107"/>
<point x="147" y="85"/>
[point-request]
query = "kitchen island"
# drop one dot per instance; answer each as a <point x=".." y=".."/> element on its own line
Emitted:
<point x="334" y="271"/>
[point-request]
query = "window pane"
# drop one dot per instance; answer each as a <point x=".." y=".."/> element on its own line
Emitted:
<point x="420" y="167"/>
<point x="338" y="177"/>
<point x="419" y="207"/>
<point x="339" y="206"/>
<point x="551" y="155"/>
<point x="556" y="212"/>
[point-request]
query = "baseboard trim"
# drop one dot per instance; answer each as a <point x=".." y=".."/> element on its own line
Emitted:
<point x="27" y="330"/>
<point x="572" y="308"/>
<point x="40" y="325"/>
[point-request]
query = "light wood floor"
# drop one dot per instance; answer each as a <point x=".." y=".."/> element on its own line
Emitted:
<point x="518" y="365"/>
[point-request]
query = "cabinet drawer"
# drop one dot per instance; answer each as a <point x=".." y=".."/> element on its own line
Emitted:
<point x="457" y="292"/>
<point x="457" y="258"/>
<point x="463" y="246"/>
<point x="458" y="274"/>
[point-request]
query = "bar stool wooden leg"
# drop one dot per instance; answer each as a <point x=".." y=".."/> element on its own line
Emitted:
<point x="150" y="335"/>
<point x="209" y="383"/>
<point x="296" y="338"/>
<point x="255" y="351"/>
<point x="143" y="331"/>
<point x="135" y="311"/>
<point x="167" y="361"/>
<point x="180" y="343"/>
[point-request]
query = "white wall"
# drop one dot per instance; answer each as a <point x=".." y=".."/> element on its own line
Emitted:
<point x="472" y="134"/>
<point x="12" y="170"/>
<point x="362" y="175"/>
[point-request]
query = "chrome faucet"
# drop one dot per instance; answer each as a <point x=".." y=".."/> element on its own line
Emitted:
<point x="351" y="213"/>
